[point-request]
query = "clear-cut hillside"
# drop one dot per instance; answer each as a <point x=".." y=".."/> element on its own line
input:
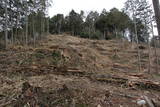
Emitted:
<point x="64" y="71"/>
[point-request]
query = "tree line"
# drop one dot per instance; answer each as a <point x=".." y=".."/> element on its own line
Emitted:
<point x="108" y="24"/>
<point x="23" y="21"/>
<point x="105" y="25"/>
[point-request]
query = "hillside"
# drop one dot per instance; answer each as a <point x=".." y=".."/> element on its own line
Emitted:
<point x="67" y="71"/>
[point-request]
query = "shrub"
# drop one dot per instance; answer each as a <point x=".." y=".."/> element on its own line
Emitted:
<point x="84" y="34"/>
<point x="96" y="35"/>
<point x="93" y="35"/>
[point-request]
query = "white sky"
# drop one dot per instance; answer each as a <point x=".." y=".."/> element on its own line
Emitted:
<point x="65" y="6"/>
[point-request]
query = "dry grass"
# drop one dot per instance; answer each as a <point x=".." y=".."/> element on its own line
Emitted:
<point x="90" y="69"/>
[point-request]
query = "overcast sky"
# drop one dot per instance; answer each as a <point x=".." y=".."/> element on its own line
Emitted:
<point x="65" y="6"/>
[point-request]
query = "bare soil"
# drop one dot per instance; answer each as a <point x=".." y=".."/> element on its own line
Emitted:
<point x="66" y="71"/>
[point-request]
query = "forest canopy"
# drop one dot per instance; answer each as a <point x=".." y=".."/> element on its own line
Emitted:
<point x="108" y="24"/>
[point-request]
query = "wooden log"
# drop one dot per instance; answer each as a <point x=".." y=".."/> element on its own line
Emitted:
<point x="149" y="102"/>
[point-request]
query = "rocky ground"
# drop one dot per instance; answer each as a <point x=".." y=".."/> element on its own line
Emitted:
<point x="66" y="71"/>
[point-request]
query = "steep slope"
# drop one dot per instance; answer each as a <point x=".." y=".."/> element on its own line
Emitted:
<point x="65" y="70"/>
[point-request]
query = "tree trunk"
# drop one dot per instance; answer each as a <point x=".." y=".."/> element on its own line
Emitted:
<point x="136" y="34"/>
<point x="26" y="30"/>
<point x="17" y="20"/>
<point x="6" y="27"/>
<point x="41" y="26"/>
<point x="33" y="31"/>
<point x="157" y="14"/>
<point x="11" y="20"/>
<point x="48" y="26"/>
<point x="149" y="58"/>
<point x="149" y="48"/>
<point x="16" y="34"/>
<point x="116" y="32"/>
<point x="59" y="28"/>
<point x="12" y="35"/>
<point x="155" y="48"/>
<point x="89" y="32"/>
<point x="104" y="35"/>
<point x="139" y="55"/>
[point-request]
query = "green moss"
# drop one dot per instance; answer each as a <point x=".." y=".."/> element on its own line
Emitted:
<point x="82" y="105"/>
<point x="39" y="55"/>
<point x="56" y="57"/>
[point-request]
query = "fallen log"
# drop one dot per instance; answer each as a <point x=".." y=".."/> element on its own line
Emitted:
<point x="113" y="80"/>
<point x="147" y="85"/>
<point x="149" y="102"/>
<point x="141" y="84"/>
<point x="156" y="103"/>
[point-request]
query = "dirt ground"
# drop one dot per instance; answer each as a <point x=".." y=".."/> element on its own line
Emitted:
<point x="66" y="71"/>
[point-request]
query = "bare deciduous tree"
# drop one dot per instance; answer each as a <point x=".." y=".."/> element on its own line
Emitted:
<point x="132" y="6"/>
<point x="6" y="25"/>
<point x="157" y="13"/>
